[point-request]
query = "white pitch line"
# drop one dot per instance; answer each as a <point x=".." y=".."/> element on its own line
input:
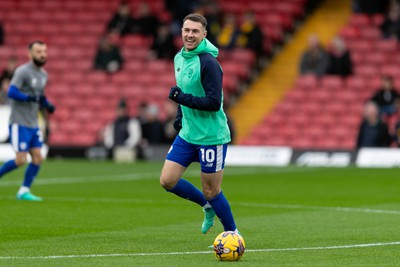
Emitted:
<point x="344" y="209"/>
<point x="88" y="179"/>
<point x="198" y="252"/>
<point x="135" y="177"/>
<point x="327" y="247"/>
<point x="243" y="204"/>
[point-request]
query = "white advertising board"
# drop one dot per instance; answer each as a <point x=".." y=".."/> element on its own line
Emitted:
<point x="258" y="156"/>
<point x="5" y="111"/>
<point x="378" y="158"/>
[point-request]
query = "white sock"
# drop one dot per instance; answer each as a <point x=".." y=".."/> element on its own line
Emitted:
<point x="23" y="189"/>
<point x="207" y="206"/>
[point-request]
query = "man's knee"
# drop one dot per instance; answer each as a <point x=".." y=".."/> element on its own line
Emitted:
<point x="170" y="174"/>
<point x="37" y="158"/>
<point x="210" y="192"/>
<point x="20" y="159"/>
<point x="167" y="183"/>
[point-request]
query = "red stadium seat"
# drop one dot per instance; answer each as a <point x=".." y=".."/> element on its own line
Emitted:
<point x="332" y="83"/>
<point x="377" y="19"/>
<point x="359" y="20"/>
<point x="371" y="33"/>
<point x="392" y="70"/>
<point x="358" y="45"/>
<point x="238" y="69"/>
<point x="229" y="83"/>
<point x="97" y="78"/>
<point x="306" y="82"/>
<point x="321" y="96"/>
<point x="386" y="46"/>
<point x="158" y="66"/>
<point x="122" y="78"/>
<point x="243" y="56"/>
<point x="286" y="108"/>
<point x="366" y="71"/>
<point x="349" y="32"/>
<point x="296" y="96"/>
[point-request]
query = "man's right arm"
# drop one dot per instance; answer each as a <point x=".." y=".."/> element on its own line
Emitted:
<point x="16" y="94"/>
<point x="16" y="83"/>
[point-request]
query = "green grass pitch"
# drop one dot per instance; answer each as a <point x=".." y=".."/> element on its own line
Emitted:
<point x="107" y="214"/>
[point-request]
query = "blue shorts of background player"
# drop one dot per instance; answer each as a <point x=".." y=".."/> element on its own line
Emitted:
<point x="25" y="140"/>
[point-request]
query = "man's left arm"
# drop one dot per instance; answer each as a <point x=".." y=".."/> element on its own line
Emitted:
<point x="211" y="79"/>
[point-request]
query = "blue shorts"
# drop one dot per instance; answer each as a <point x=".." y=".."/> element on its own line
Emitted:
<point x="211" y="158"/>
<point x="24" y="138"/>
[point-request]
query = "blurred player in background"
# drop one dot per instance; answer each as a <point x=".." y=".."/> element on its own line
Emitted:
<point x="27" y="96"/>
<point x="202" y="125"/>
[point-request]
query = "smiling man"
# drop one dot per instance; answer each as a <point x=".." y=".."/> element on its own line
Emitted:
<point x="202" y="125"/>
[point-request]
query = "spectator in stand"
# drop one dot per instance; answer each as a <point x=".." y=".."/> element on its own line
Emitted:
<point x="124" y="131"/>
<point x="1" y="34"/>
<point x="4" y="84"/>
<point x="373" y="132"/>
<point x="390" y="27"/>
<point x="339" y="59"/>
<point x="8" y="72"/>
<point x="386" y="96"/>
<point x="227" y="37"/>
<point x="251" y="36"/>
<point x="146" y="23"/>
<point x="211" y="11"/>
<point x="122" y="20"/>
<point x="152" y="127"/>
<point x="369" y="6"/>
<point x="315" y="59"/>
<point x="108" y="56"/>
<point x="178" y="10"/>
<point x="163" y="46"/>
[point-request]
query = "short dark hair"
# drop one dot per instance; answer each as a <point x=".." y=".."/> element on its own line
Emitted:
<point x="196" y="18"/>
<point x="35" y="42"/>
<point x="387" y="78"/>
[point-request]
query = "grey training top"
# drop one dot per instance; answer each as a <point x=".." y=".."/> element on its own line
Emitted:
<point x="30" y="80"/>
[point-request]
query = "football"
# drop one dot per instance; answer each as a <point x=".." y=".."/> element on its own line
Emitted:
<point x="229" y="246"/>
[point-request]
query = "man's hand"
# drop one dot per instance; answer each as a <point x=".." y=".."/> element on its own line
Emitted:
<point x="178" y="124"/>
<point x="174" y="93"/>
<point x="46" y="104"/>
<point x="51" y="108"/>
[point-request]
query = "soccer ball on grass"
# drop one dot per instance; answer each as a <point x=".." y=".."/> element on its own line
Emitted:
<point x="229" y="246"/>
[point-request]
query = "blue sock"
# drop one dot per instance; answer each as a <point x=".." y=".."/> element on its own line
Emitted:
<point x="7" y="167"/>
<point x="30" y="174"/>
<point x="223" y="211"/>
<point x="186" y="190"/>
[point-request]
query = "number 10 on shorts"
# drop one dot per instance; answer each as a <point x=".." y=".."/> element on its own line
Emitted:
<point x="207" y="155"/>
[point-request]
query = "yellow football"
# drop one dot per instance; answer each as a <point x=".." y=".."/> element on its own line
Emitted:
<point x="229" y="246"/>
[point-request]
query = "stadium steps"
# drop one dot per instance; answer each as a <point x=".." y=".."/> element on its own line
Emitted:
<point x="280" y="75"/>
